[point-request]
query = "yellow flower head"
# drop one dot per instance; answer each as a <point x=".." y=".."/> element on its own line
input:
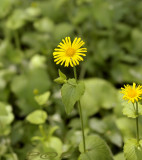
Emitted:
<point x="132" y="93"/>
<point x="69" y="53"/>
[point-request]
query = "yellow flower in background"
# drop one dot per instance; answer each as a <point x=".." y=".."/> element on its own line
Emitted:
<point x="69" y="53"/>
<point x="132" y="93"/>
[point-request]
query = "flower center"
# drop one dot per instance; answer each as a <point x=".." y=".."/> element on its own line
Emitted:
<point x="132" y="93"/>
<point x="70" y="52"/>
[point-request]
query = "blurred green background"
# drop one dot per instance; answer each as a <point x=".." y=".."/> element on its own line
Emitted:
<point x="29" y="32"/>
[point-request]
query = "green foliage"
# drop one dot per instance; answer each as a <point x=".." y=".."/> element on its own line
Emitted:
<point x="29" y="32"/>
<point x="96" y="93"/>
<point x="43" y="98"/>
<point x="127" y="127"/>
<point x="96" y="149"/>
<point x="107" y="127"/>
<point x="24" y="85"/>
<point x="5" y="7"/>
<point x="16" y="20"/>
<point x="133" y="150"/>
<point x="37" y="117"/>
<point x="44" y="25"/>
<point x="61" y="79"/>
<point x="6" y="118"/>
<point x="71" y="93"/>
<point x="11" y="156"/>
<point x="119" y="156"/>
<point x="130" y="110"/>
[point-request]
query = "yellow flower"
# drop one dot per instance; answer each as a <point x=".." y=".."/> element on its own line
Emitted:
<point x="132" y="93"/>
<point x="69" y="53"/>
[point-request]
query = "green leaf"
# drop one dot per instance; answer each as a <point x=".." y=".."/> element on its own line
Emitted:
<point x="130" y="111"/>
<point x="63" y="30"/>
<point x="103" y="13"/>
<point x="61" y="74"/>
<point x="6" y="115"/>
<point x="37" y="61"/>
<point x="119" y="156"/>
<point x="71" y="93"/>
<point x="3" y="111"/>
<point x="107" y="128"/>
<point x="97" y="125"/>
<point x="52" y="130"/>
<point x="23" y="86"/>
<point x="112" y="132"/>
<point x="37" y="117"/>
<point x="17" y="132"/>
<point x="3" y="148"/>
<point x="118" y="110"/>
<point x="11" y="156"/>
<point x="127" y="127"/>
<point x="42" y="98"/>
<point x="96" y="149"/>
<point x="61" y="79"/>
<point x="16" y="20"/>
<point x="5" y="7"/>
<point x="133" y="150"/>
<point x="99" y="93"/>
<point x="56" y="143"/>
<point x="121" y="72"/>
<point x="81" y="15"/>
<point x="32" y="13"/>
<point x="136" y="41"/>
<point x="44" y="25"/>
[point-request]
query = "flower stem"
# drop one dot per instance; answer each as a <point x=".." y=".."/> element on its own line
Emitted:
<point x="137" y="123"/>
<point x="81" y="116"/>
<point x="75" y="74"/>
<point x="82" y="126"/>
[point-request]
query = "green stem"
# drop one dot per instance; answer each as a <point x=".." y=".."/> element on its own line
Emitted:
<point x="81" y="116"/>
<point x="42" y="132"/>
<point x="75" y="74"/>
<point x="41" y="128"/>
<point x="82" y="126"/>
<point x="137" y="123"/>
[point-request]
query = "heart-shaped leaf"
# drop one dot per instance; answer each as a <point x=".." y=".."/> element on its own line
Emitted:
<point x="37" y="117"/>
<point x="133" y="149"/>
<point x="96" y="148"/>
<point x="71" y="93"/>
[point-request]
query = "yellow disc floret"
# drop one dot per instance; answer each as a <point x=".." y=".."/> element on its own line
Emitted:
<point x="69" y="53"/>
<point x="132" y="93"/>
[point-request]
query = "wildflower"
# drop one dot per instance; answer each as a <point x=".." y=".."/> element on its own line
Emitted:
<point x="69" y="53"/>
<point x="132" y="93"/>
